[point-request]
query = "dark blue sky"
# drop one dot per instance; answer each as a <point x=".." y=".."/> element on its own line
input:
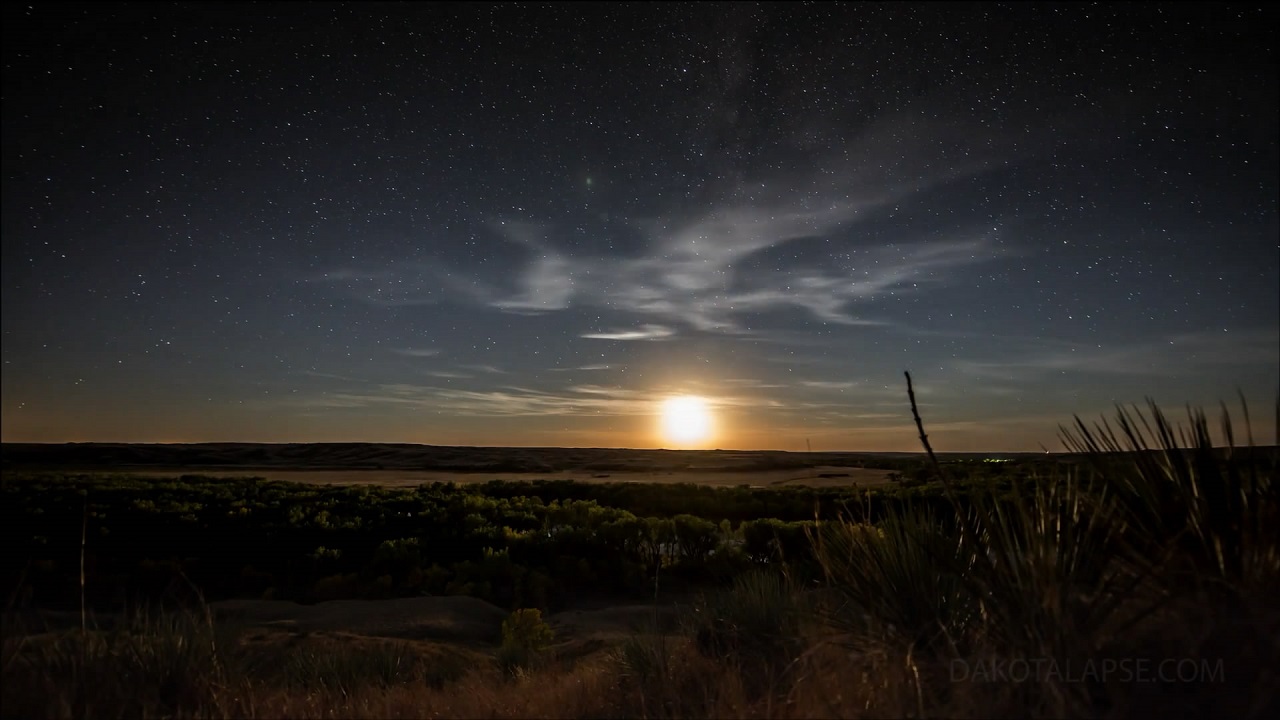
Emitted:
<point x="527" y="224"/>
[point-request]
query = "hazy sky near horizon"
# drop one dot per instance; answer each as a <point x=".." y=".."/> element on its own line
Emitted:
<point x="526" y="224"/>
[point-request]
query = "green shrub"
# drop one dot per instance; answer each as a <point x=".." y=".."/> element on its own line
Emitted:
<point x="524" y="638"/>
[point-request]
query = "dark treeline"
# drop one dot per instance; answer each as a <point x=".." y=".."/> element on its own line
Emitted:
<point x="513" y="543"/>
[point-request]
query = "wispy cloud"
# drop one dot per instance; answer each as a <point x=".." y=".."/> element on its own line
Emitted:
<point x="707" y="270"/>
<point x="585" y="400"/>
<point x="1170" y="355"/>
<point x="752" y="383"/>
<point x="329" y="376"/>
<point x="548" y="280"/>
<point x="691" y="277"/>
<point x="500" y="402"/>
<point x="488" y="369"/>
<point x="645" y="332"/>
<point x="829" y="384"/>
<point x="449" y="375"/>
<point x="417" y="352"/>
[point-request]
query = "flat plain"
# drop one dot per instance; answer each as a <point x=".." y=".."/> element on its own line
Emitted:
<point x="820" y="476"/>
<point x="396" y="465"/>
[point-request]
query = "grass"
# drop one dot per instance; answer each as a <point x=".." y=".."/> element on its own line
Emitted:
<point x="153" y="664"/>
<point x="1156" y="550"/>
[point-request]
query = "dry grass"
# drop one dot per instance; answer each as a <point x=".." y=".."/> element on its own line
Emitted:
<point x="184" y="667"/>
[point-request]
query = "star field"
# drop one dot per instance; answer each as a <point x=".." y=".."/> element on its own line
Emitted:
<point x="526" y="224"/>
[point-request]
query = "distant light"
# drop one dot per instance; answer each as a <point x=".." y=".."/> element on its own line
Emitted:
<point x="686" y="419"/>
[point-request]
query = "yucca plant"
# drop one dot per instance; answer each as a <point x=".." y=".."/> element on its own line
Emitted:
<point x="903" y="577"/>
<point x="1057" y="587"/>
<point x="759" y="615"/>
<point x="645" y="657"/>
<point x="1217" y="507"/>
<point x="1068" y="568"/>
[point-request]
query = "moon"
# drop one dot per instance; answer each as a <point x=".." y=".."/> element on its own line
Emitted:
<point x="686" y="420"/>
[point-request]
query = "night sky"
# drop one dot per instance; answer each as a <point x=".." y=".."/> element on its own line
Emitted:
<point x="524" y="224"/>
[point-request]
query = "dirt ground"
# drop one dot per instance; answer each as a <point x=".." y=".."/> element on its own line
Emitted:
<point x="451" y="618"/>
<point x="456" y="619"/>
